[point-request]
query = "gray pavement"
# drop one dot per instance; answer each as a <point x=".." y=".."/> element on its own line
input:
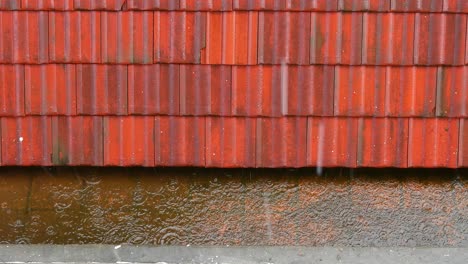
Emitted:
<point x="239" y="255"/>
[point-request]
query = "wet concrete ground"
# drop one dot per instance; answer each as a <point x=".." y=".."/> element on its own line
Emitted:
<point x="239" y="207"/>
<point x="228" y="255"/>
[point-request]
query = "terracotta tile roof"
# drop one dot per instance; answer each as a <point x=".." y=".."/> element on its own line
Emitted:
<point x="234" y="83"/>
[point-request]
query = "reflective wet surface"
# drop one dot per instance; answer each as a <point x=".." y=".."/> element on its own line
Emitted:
<point x="189" y="206"/>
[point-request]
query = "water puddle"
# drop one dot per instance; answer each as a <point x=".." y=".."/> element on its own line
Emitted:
<point x="191" y="206"/>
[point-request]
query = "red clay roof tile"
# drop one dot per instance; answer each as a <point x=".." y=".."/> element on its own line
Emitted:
<point x="433" y="142"/>
<point x="50" y="89"/>
<point x="179" y="37"/>
<point x="26" y="141"/>
<point x="382" y="142"/>
<point x="230" y="142"/>
<point x="101" y="89"/>
<point x="283" y="37"/>
<point x="179" y="141"/>
<point x="153" y="89"/>
<point x="360" y="5"/>
<point x="281" y="142"/>
<point x="10" y="4"/>
<point x="231" y="38"/>
<point x="23" y="37"/>
<point x="75" y="37"/>
<point x="410" y="91"/>
<point x="452" y="91"/>
<point x="127" y="37"/>
<point x="129" y="140"/>
<point x="77" y="140"/>
<point x="460" y="6"/>
<point x="307" y="90"/>
<point x="205" y="90"/>
<point x="99" y="4"/>
<point x="336" y="38"/>
<point x="209" y="5"/>
<point x="316" y="5"/>
<point x="153" y="4"/>
<point x="332" y="142"/>
<point x="359" y="91"/>
<point x="388" y="38"/>
<point x="416" y="5"/>
<point x="11" y="90"/>
<point x="46" y="4"/>
<point x="439" y="39"/>
<point x="463" y="144"/>
<point x="234" y="83"/>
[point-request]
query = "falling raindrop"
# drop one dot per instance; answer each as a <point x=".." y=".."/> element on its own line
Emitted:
<point x="321" y="134"/>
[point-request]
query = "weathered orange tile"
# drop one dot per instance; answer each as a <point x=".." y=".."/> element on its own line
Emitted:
<point x="127" y="37"/>
<point x="360" y="5"/>
<point x="101" y="89"/>
<point x="23" y="37"/>
<point x="153" y="4"/>
<point x="11" y="90"/>
<point x="256" y="91"/>
<point x="231" y="38"/>
<point x="99" y="5"/>
<point x="50" y="89"/>
<point x="388" y="38"/>
<point x="282" y="90"/>
<point x="77" y="140"/>
<point x="230" y="142"/>
<point x="336" y="38"/>
<point x="75" y="37"/>
<point x="455" y="6"/>
<point x="410" y="91"/>
<point x="432" y="142"/>
<point x="153" y="89"/>
<point x="439" y="39"/>
<point x="316" y="5"/>
<point x="179" y="37"/>
<point x="463" y="144"/>
<point x="205" y="89"/>
<point x="179" y="141"/>
<point x="382" y="142"/>
<point x="416" y="5"/>
<point x="212" y="5"/>
<point x="26" y="141"/>
<point x="452" y="91"/>
<point x="10" y="4"/>
<point x="259" y="5"/>
<point x="46" y="4"/>
<point x="281" y="142"/>
<point x="331" y="141"/>
<point x="359" y="91"/>
<point x="129" y="141"/>
<point x="308" y="90"/>
<point x="283" y="37"/>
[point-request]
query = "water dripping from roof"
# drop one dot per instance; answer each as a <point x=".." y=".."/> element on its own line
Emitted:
<point x="321" y="133"/>
<point x="284" y="88"/>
